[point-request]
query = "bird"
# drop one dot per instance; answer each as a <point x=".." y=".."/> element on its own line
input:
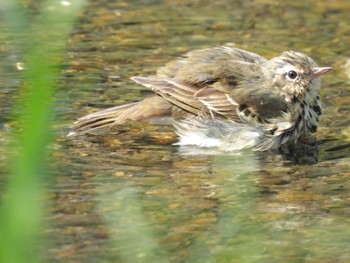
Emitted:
<point x="228" y="99"/>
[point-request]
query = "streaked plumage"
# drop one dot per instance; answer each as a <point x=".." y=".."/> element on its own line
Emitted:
<point x="228" y="98"/>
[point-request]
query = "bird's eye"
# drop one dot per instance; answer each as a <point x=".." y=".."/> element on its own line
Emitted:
<point x="292" y="74"/>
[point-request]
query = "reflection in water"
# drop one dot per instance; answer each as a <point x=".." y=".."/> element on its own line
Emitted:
<point x="302" y="153"/>
<point x="209" y="206"/>
<point x="194" y="210"/>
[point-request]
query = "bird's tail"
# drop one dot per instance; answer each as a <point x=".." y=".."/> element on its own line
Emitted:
<point x="153" y="107"/>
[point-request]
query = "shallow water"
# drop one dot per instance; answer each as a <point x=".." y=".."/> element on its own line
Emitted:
<point x="135" y="197"/>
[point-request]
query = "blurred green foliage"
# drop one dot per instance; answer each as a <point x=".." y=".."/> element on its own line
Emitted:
<point x="40" y="40"/>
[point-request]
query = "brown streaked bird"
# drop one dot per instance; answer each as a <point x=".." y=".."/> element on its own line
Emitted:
<point x="228" y="98"/>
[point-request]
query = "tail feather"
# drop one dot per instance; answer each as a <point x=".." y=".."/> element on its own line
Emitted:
<point x="100" y="119"/>
<point x="138" y="111"/>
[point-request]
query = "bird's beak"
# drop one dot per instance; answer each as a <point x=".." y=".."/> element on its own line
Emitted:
<point x="316" y="72"/>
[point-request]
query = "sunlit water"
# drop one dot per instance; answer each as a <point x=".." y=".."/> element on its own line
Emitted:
<point x="134" y="197"/>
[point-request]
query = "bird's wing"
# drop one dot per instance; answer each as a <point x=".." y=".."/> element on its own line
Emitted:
<point x="176" y="92"/>
<point x="243" y="103"/>
<point x="216" y="82"/>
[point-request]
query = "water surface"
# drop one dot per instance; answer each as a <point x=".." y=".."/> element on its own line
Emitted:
<point x="135" y="197"/>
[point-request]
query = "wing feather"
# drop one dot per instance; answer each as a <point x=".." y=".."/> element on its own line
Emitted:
<point x="221" y="82"/>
